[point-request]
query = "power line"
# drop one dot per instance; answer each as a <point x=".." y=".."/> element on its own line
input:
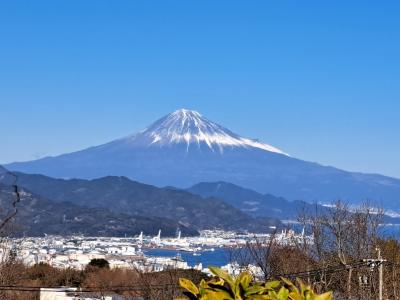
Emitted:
<point x="160" y="287"/>
<point x="85" y="290"/>
<point x="336" y="268"/>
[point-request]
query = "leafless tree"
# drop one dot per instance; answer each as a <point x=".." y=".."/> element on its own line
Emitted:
<point x="257" y="251"/>
<point x="342" y="236"/>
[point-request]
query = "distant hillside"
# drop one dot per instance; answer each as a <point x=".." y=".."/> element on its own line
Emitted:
<point x="37" y="216"/>
<point x="258" y="205"/>
<point x="251" y="202"/>
<point x="121" y="195"/>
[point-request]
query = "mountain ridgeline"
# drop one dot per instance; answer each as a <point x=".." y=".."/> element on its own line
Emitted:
<point x="184" y="148"/>
<point x="253" y="203"/>
<point x="37" y="216"/>
<point x="121" y="196"/>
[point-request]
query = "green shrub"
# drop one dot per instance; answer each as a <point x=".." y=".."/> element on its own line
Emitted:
<point x="99" y="263"/>
<point x="225" y="287"/>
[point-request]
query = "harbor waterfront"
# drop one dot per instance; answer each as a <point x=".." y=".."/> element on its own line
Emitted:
<point x="144" y="253"/>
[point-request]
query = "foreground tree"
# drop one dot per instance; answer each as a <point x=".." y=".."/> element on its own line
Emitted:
<point x="342" y="238"/>
<point x="225" y="287"/>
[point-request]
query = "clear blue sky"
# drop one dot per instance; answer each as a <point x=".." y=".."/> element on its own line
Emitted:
<point x="318" y="79"/>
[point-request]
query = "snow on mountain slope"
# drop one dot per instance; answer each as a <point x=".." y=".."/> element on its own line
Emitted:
<point x="190" y="127"/>
<point x="184" y="148"/>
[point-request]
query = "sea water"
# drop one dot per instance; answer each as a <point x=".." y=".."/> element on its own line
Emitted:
<point x="219" y="257"/>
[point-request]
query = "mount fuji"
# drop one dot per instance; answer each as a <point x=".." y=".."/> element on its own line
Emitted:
<point x="185" y="148"/>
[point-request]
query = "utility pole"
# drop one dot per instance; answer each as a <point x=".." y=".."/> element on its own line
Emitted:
<point x="373" y="263"/>
<point x="380" y="274"/>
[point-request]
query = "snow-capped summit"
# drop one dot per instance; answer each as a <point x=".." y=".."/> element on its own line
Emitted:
<point x="185" y="148"/>
<point x="191" y="128"/>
